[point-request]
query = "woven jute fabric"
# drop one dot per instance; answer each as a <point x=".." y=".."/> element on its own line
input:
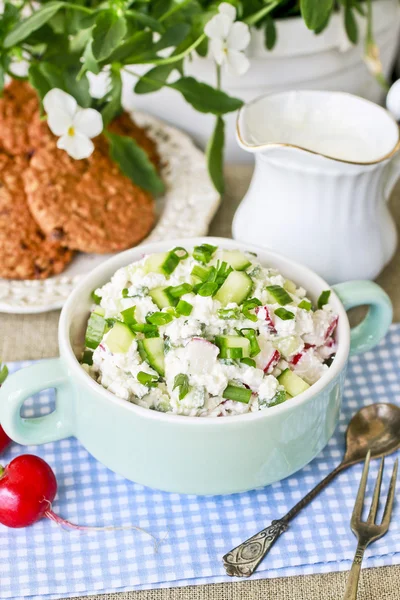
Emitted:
<point x="29" y="337"/>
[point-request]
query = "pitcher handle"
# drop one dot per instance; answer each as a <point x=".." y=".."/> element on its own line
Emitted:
<point x="374" y="327"/>
<point x="24" y="383"/>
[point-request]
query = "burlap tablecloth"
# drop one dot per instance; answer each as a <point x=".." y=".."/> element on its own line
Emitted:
<point x="24" y="337"/>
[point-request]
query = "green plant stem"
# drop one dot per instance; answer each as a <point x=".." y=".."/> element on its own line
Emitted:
<point x="253" y="19"/>
<point x="218" y="76"/>
<point x="78" y="7"/>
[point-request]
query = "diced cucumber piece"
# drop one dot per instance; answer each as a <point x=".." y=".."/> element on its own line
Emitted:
<point x="99" y="311"/>
<point x="95" y="330"/>
<point x="237" y="393"/>
<point x="236" y="288"/>
<point x="293" y="384"/>
<point x="236" y="259"/>
<point x="288" y="346"/>
<point x="120" y="338"/>
<point x="233" y="346"/>
<point x="290" y="286"/>
<point x="161" y="297"/>
<point x="153" y="350"/>
<point x="279" y="294"/>
<point x="154" y="263"/>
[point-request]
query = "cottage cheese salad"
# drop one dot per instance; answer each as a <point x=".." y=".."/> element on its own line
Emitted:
<point x="207" y="333"/>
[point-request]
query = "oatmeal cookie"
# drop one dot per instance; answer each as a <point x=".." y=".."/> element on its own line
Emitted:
<point x="86" y="205"/>
<point x="25" y="252"/>
<point x="18" y="105"/>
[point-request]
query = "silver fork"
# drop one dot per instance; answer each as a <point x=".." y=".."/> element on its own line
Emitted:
<point x="368" y="531"/>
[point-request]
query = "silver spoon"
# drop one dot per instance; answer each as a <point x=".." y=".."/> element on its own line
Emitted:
<point x="374" y="428"/>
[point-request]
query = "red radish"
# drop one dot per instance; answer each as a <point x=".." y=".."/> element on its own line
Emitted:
<point x="308" y="346"/>
<point x="296" y="358"/>
<point x="332" y="327"/>
<point x="5" y="441"/>
<point x="273" y="361"/>
<point x="27" y="487"/>
<point x="266" y="315"/>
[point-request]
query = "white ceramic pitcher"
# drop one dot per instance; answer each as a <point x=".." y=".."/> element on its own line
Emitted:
<point x="326" y="163"/>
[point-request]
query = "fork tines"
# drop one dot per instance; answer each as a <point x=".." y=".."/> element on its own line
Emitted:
<point x="370" y="528"/>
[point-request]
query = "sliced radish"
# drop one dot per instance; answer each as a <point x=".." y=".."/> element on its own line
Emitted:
<point x="273" y="361"/>
<point x="332" y="327"/>
<point x="296" y="358"/>
<point x="263" y="313"/>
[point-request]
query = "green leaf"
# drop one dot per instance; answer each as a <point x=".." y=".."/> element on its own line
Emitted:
<point x="350" y="25"/>
<point x="136" y="45"/>
<point x="205" y="98"/>
<point x="108" y="32"/>
<point x="2" y="79"/>
<point x="173" y="36"/>
<point x="134" y="163"/>
<point x="145" y="20"/>
<point x="32" y="23"/>
<point x="89" y="61"/>
<point x="113" y="106"/>
<point x="78" y="88"/>
<point x="316" y="12"/>
<point x="38" y="81"/>
<point x="154" y="79"/>
<point x="324" y="298"/>
<point x="215" y="155"/>
<point x="53" y="74"/>
<point x="270" y="33"/>
<point x="3" y="373"/>
<point x="182" y="382"/>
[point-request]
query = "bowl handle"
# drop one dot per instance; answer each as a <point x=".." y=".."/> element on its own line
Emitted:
<point x="374" y="327"/>
<point x="20" y="386"/>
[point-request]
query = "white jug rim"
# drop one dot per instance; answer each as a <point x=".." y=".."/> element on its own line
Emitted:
<point x="259" y="147"/>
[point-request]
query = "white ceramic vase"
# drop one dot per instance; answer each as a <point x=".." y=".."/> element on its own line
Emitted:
<point x="300" y="60"/>
<point x="325" y="165"/>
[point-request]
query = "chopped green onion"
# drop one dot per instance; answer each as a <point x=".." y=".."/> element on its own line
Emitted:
<point x="148" y="329"/>
<point x="208" y="289"/>
<point x="249" y="305"/>
<point x="249" y="362"/>
<point x="184" y="308"/>
<point x="204" y="253"/>
<point x="147" y="379"/>
<point x="96" y="299"/>
<point x="3" y="373"/>
<point x="180" y="252"/>
<point x="278" y="398"/>
<point x="233" y="353"/>
<point x="87" y="358"/>
<point x="95" y="330"/>
<point x="125" y="293"/>
<point x="306" y="304"/>
<point x="110" y="322"/>
<point x="128" y="315"/>
<point x="222" y="272"/>
<point x="236" y="393"/>
<point x="179" y="290"/>
<point x="159" y="318"/>
<point x="324" y="298"/>
<point x="200" y="272"/>
<point x="173" y="259"/>
<point x="284" y="314"/>
<point x="229" y="313"/>
<point x="181" y="381"/>
<point x="250" y="334"/>
<point x="279" y="294"/>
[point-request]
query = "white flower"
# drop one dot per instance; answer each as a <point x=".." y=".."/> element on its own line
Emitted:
<point x="75" y="125"/>
<point x="228" y="39"/>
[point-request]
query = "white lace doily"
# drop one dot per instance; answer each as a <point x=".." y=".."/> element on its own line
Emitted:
<point x="185" y="210"/>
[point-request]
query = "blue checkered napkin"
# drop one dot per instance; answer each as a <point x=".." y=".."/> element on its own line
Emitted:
<point x="46" y="561"/>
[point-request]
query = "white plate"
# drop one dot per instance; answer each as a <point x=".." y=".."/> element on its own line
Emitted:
<point x="185" y="210"/>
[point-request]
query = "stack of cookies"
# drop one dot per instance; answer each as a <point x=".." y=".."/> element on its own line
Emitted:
<point x="52" y="205"/>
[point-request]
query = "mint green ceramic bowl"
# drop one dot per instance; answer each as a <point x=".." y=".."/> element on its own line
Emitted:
<point x="189" y="454"/>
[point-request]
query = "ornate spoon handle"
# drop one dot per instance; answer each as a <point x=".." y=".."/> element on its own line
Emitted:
<point x="243" y="560"/>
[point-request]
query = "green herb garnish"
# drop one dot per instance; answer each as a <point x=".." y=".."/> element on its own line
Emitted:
<point x="249" y="305"/>
<point x="96" y="299"/>
<point x="306" y="304"/>
<point x="249" y="362"/>
<point x="324" y="298"/>
<point x="200" y="272"/>
<point x="278" y="398"/>
<point x="159" y="318"/>
<point x="182" y="382"/>
<point x="284" y="314"/>
<point x="128" y="315"/>
<point x="147" y="379"/>
<point x="179" y="290"/>
<point x="184" y="308"/>
<point x="229" y="313"/>
<point x="204" y="253"/>
<point x="147" y="329"/>
<point x="3" y="373"/>
<point x="250" y="334"/>
<point x="87" y="357"/>
<point x="208" y="289"/>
